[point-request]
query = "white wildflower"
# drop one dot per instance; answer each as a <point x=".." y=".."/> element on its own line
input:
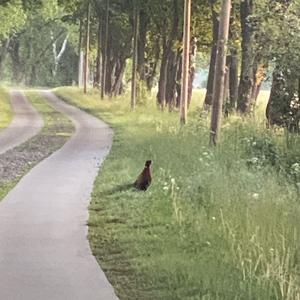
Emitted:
<point x="296" y="168"/>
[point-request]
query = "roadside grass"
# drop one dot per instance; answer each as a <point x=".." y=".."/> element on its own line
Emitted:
<point x="5" y="108"/>
<point x="15" y="163"/>
<point x="215" y="224"/>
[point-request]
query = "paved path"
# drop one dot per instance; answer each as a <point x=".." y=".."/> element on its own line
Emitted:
<point x="25" y="124"/>
<point x="44" y="252"/>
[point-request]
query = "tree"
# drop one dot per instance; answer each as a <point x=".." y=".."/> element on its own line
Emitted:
<point x="280" y="31"/>
<point x="219" y="78"/>
<point x="87" y="45"/>
<point x="13" y="17"/>
<point x="105" y="50"/>
<point x="186" y="63"/>
<point x="134" y="56"/>
<point x="211" y="73"/>
<point x="248" y="57"/>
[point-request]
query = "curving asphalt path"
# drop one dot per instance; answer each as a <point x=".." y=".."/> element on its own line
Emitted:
<point x="25" y="124"/>
<point x="44" y="251"/>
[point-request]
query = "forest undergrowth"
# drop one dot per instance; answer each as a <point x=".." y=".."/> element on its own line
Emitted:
<point x="216" y="223"/>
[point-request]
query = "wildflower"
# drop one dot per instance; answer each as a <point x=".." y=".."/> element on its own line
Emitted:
<point x="173" y="180"/>
<point x="255" y="196"/>
<point x="208" y="243"/>
<point x="165" y="188"/>
<point x="254" y="160"/>
<point x="295" y="168"/>
<point x="213" y="218"/>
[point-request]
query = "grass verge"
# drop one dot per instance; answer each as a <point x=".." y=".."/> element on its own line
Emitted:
<point x="15" y="163"/>
<point x="5" y="108"/>
<point x="216" y="223"/>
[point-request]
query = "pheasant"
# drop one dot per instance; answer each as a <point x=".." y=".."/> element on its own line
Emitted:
<point x="144" y="179"/>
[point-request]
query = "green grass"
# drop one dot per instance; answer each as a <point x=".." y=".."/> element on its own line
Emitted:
<point x="5" y="108"/>
<point x="56" y="131"/>
<point x="216" y="223"/>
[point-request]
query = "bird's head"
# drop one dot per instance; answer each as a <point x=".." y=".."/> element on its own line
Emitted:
<point x="148" y="163"/>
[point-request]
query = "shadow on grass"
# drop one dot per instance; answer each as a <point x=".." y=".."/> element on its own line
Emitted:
<point x="119" y="189"/>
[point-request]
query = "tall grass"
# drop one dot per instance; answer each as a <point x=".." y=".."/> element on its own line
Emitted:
<point x="216" y="223"/>
<point x="5" y="108"/>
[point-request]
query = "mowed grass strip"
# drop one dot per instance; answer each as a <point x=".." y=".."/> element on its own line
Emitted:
<point x="215" y="224"/>
<point x="6" y="113"/>
<point x="15" y="163"/>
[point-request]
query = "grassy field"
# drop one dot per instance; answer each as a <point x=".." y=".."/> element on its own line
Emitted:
<point x="15" y="163"/>
<point x="5" y="108"/>
<point x="216" y="223"/>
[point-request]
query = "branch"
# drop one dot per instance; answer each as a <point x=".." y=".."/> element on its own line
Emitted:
<point x="63" y="48"/>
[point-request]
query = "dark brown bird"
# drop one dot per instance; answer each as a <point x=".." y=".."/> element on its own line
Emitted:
<point x="144" y="180"/>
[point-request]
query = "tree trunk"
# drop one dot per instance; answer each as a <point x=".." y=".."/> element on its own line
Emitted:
<point x="225" y="100"/>
<point x="233" y="79"/>
<point x="120" y="70"/>
<point x="151" y="68"/>
<point x="134" y="58"/>
<point x="185" y="61"/>
<point x="3" y="53"/>
<point x="172" y="70"/>
<point x="167" y="48"/>
<point x="142" y="33"/>
<point x="104" y="51"/>
<point x="14" y="51"/>
<point x="259" y="77"/>
<point x="178" y="80"/>
<point x="212" y="65"/>
<point x="220" y="72"/>
<point x="246" y="78"/>
<point x="161" y="95"/>
<point x="192" y="69"/>
<point x="110" y="64"/>
<point x="87" y="48"/>
<point x="80" y="56"/>
<point x="97" y="82"/>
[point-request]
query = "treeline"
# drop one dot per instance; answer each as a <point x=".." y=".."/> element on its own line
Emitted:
<point x="50" y="43"/>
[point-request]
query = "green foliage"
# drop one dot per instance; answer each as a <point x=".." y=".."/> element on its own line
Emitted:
<point x="12" y="17"/>
<point x="209" y="227"/>
<point x="5" y="108"/>
<point x="263" y="151"/>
